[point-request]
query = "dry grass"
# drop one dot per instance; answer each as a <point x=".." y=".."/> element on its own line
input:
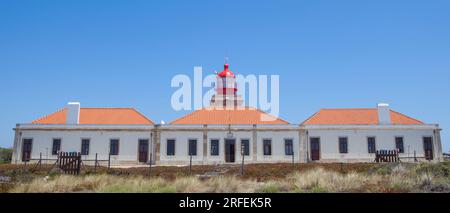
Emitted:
<point x="137" y="184"/>
<point x="328" y="180"/>
<point x="318" y="178"/>
<point x="229" y="184"/>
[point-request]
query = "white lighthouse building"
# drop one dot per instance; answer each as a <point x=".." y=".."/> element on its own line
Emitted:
<point x="226" y="132"/>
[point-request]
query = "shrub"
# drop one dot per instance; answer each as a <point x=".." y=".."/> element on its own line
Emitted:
<point x="228" y="184"/>
<point x="188" y="184"/>
<point x="5" y="155"/>
<point x="328" y="180"/>
<point x="318" y="189"/>
<point x="270" y="187"/>
<point x="434" y="169"/>
<point x="139" y="185"/>
<point x="383" y="170"/>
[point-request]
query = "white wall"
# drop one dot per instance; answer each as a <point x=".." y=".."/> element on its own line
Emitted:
<point x="357" y="142"/>
<point x="129" y="137"/>
<point x="181" y="146"/>
<point x="221" y="136"/>
<point x="99" y="143"/>
<point x="278" y="152"/>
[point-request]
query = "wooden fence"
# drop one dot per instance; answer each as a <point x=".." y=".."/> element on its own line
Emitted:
<point x="69" y="162"/>
<point x="387" y="156"/>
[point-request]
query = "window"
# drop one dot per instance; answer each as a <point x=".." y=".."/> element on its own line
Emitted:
<point x="399" y="144"/>
<point x="170" y="147"/>
<point x="246" y="144"/>
<point x="192" y="147"/>
<point x="267" y="146"/>
<point x="371" y="144"/>
<point x="114" y="147"/>
<point x="85" y="146"/>
<point x="428" y="147"/>
<point x="315" y="148"/>
<point x="343" y="143"/>
<point x="214" y="147"/>
<point x="26" y="149"/>
<point x="288" y="147"/>
<point x="56" y="146"/>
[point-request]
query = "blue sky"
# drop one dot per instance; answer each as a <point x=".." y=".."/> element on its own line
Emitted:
<point x="328" y="54"/>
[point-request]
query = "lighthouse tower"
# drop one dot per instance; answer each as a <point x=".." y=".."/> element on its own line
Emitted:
<point x="226" y="93"/>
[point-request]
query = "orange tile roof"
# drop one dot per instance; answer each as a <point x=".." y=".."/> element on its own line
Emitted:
<point x="356" y="117"/>
<point x="100" y="116"/>
<point x="236" y="116"/>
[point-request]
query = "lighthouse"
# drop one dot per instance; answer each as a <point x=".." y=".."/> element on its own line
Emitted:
<point x="226" y="91"/>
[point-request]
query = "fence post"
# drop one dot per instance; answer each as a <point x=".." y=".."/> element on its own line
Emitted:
<point x="95" y="163"/>
<point x="78" y="163"/>
<point x="398" y="156"/>
<point x="415" y="157"/>
<point x="150" y="165"/>
<point x="243" y="158"/>
<point x="293" y="159"/>
<point x="25" y="159"/>
<point x="190" y="163"/>
<point x="40" y="160"/>
<point x="60" y="159"/>
<point x="109" y="161"/>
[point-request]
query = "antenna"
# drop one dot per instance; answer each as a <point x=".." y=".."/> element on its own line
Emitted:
<point x="226" y="60"/>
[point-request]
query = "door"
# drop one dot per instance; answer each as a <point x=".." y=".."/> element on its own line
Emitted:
<point x="315" y="149"/>
<point x="143" y="151"/>
<point x="428" y="147"/>
<point x="26" y="149"/>
<point x="230" y="147"/>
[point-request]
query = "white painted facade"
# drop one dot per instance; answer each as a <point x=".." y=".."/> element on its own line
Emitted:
<point x="42" y="137"/>
<point x="128" y="136"/>
<point x="255" y="134"/>
<point x="384" y="140"/>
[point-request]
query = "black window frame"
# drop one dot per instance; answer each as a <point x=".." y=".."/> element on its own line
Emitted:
<point x="267" y="147"/>
<point x="246" y="143"/>
<point x="371" y="145"/>
<point x="214" y="147"/>
<point x="25" y="141"/>
<point x="288" y="146"/>
<point x="114" y="150"/>
<point x="56" y="146"/>
<point x="192" y="147"/>
<point x="400" y="144"/>
<point x="343" y="145"/>
<point x="428" y="145"/>
<point x="85" y="148"/>
<point x="170" y="147"/>
<point x="427" y="140"/>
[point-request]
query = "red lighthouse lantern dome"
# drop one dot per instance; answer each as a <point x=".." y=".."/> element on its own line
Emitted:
<point x="226" y="72"/>
<point x="226" y="90"/>
<point x="226" y="82"/>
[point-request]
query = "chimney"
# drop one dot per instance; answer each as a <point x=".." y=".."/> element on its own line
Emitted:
<point x="73" y="113"/>
<point x="384" y="114"/>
